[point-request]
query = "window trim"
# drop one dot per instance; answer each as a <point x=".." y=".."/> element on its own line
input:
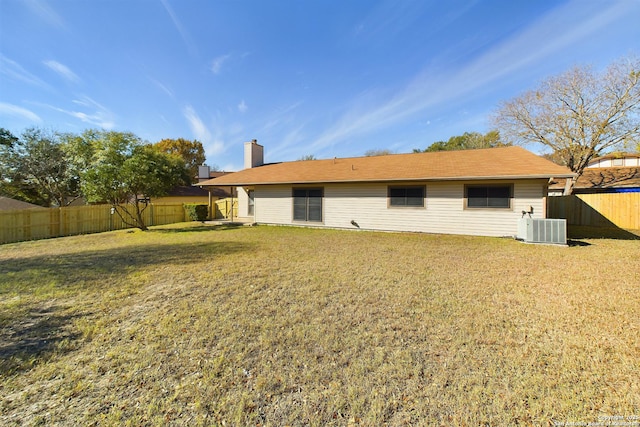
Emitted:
<point x="486" y="185"/>
<point x="390" y="205"/>
<point x="293" y="205"/>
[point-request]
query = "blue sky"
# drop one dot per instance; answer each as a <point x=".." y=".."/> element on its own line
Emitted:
<point x="328" y="78"/>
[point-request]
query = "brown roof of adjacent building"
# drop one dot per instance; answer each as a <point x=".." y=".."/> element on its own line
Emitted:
<point x="492" y="163"/>
<point x="187" y="191"/>
<point x="195" y="191"/>
<point x="7" y="203"/>
<point x="603" y="178"/>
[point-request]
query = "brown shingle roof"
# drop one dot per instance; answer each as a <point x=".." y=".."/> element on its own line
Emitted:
<point x="492" y="163"/>
<point x="8" y="204"/>
<point x="195" y="191"/>
<point x="187" y="191"/>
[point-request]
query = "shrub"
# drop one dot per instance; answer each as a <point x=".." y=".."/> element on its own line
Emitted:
<point x="197" y="212"/>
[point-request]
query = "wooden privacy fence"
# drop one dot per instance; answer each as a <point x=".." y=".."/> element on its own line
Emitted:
<point x="32" y="224"/>
<point x="222" y="208"/>
<point x="597" y="210"/>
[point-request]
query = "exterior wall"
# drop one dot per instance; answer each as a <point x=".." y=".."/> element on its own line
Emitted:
<point x="273" y="204"/>
<point x="243" y="203"/>
<point x="444" y="210"/>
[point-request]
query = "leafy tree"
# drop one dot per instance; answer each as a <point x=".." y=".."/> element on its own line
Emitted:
<point x="378" y="152"/>
<point x="79" y="151"/>
<point x="7" y="139"/>
<point x="467" y="141"/>
<point x="191" y="152"/>
<point x="122" y="171"/>
<point x="579" y="114"/>
<point x="34" y="168"/>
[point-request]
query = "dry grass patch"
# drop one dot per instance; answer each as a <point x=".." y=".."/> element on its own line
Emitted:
<point x="198" y="325"/>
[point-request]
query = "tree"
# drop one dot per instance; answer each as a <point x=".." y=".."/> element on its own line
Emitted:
<point x="466" y="141"/>
<point x="191" y="152"/>
<point x="579" y="114"/>
<point x="378" y="152"/>
<point x="7" y="139"/>
<point x="34" y="168"/>
<point x="122" y="171"/>
<point x="7" y="184"/>
<point x="308" y="157"/>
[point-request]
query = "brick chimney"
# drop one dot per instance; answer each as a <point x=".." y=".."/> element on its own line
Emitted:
<point x="253" y="154"/>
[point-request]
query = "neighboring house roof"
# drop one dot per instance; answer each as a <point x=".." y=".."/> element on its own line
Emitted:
<point x="603" y="179"/>
<point x="187" y="191"/>
<point x="7" y="204"/>
<point x="215" y="174"/>
<point x="493" y="163"/>
<point x="195" y="191"/>
<point x="210" y="174"/>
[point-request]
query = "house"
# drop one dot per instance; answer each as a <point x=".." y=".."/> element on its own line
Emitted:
<point x="601" y="180"/>
<point x="615" y="160"/>
<point x="473" y="192"/>
<point x="612" y="173"/>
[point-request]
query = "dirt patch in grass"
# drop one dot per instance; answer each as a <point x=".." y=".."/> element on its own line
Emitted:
<point x="284" y="326"/>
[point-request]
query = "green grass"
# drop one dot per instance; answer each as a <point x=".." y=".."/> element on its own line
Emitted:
<point x="204" y="325"/>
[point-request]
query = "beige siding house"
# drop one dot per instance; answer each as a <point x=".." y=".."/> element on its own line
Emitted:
<point x="472" y="192"/>
<point x="616" y="160"/>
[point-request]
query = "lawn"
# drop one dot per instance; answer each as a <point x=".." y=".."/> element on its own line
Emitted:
<point x="273" y="326"/>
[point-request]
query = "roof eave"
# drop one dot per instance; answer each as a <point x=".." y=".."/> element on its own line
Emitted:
<point x="405" y="179"/>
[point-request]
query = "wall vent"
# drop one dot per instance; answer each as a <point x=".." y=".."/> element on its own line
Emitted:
<point x="552" y="231"/>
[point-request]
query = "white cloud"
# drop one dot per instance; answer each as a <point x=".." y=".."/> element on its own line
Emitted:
<point x="15" y="111"/>
<point x="215" y="147"/>
<point x="183" y="32"/>
<point x="98" y="119"/>
<point x="242" y="107"/>
<point x="15" y="72"/>
<point x="101" y="116"/>
<point x="46" y="13"/>
<point x="216" y="63"/>
<point x="94" y="113"/>
<point x="162" y="87"/>
<point x="212" y="145"/>
<point x="62" y="70"/>
<point x="195" y="123"/>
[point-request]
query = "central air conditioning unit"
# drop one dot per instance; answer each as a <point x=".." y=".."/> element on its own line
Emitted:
<point x="551" y="231"/>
